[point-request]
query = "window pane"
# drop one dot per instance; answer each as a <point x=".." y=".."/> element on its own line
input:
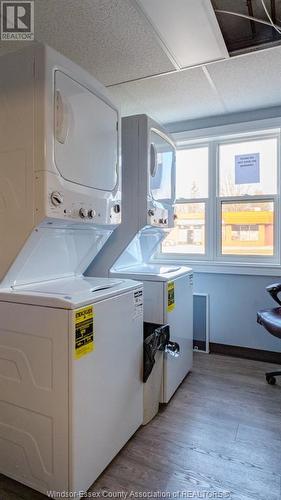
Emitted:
<point x="247" y="228"/>
<point x="192" y="173"/>
<point x="248" y="168"/>
<point x="188" y="236"/>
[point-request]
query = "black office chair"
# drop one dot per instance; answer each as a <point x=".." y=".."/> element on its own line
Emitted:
<point x="270" y="319"/>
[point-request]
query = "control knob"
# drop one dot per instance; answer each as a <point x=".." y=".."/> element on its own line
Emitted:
<point x="117" y="209"/>
<point x="150" y="212"/>
<point x="56" y="198"/>
<point x="91" y="213"/>
<point x="83" y="213"/>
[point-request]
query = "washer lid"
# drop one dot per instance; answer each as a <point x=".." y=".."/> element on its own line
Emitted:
<point x="155" y="269"/>
<point x="53" y="252"/>
<point x="151" y="272"/>
<point x="68" y="293"/>
<point x="73" y="287"/>
<point x="86" y="135"/>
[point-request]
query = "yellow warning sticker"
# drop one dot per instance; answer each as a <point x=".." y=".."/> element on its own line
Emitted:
<point x="171" y="296"/>
<point x="84" y="331"/>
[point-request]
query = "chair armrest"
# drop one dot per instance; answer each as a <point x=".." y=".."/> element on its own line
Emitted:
<point x="274" y="290"/>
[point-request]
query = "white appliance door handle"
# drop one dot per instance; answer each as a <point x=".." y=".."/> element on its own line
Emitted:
<point x="62" y="118"/>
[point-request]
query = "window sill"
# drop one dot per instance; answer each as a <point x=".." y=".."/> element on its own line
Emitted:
<point x="260" y="269"/>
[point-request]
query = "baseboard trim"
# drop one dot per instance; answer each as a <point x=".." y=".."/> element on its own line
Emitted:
<point x="246" y="353"/>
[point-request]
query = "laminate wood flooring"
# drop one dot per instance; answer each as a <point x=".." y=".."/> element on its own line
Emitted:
<point x="219" y="437"/>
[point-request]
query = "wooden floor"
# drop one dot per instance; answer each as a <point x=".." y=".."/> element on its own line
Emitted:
<point x="220" y="437"/>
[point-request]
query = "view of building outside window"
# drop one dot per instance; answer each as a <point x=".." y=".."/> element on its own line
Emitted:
<point x="247" y="228"/>
<point x="247" y="171"/>
<point x="188" y="236"/>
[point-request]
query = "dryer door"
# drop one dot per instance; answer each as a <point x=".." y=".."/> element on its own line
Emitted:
<point x="86" y="136"/>
<point x="162" y="168"/>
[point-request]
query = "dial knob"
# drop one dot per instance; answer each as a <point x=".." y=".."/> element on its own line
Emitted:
<point x="83" y="213"/>
<point x="117" y="209"/>
<point x="91" y="213"/>
<point x="150" y="212"/>
<point x="56" y="198"/>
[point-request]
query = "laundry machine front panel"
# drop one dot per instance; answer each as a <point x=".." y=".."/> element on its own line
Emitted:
<point x="153" y="301"/>
<point x="179" y="315"/>
<point x="107" y="388"/>
<point x="34" y="395"/>
<point x="86" y="132"/>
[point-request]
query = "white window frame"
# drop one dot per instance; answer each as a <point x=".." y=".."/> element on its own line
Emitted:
<point x="213" y="260"/>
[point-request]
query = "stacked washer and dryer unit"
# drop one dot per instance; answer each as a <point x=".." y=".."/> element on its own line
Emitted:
<point x="148" y="188"/>
<point x="71" y="387"/>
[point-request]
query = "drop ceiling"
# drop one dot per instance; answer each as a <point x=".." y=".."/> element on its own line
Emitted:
<point x="109" y="38"/>
<point x="114" y="42"/>
<point x="239" y="84"/>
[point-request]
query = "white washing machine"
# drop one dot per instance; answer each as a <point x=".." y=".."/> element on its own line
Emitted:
<point x="70" y="380"/>
<point x="70" y="365"/>
<point x="168" y="299"/>
<point x="149" y="169"/>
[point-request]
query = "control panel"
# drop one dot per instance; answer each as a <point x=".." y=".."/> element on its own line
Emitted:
<point x="57" y="201"/>
<point x="158" y="216"/>
<point x="70" y="206"/>
<point x="69" y="202"/>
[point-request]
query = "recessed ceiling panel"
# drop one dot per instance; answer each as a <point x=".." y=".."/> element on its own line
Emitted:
<point x="188" y="29"/>
<point x="179" y="96"/>
<point x="109" y="38"/>
<point x="250" y="81"/>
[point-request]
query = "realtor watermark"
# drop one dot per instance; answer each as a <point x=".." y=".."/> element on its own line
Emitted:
<point x="141" y="495"/>
<point x="17" y="20"/>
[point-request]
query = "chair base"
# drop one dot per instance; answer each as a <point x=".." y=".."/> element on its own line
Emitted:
<point x="271" y="377"/>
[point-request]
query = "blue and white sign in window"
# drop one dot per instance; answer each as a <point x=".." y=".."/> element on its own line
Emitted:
<point x="247" y="168"/>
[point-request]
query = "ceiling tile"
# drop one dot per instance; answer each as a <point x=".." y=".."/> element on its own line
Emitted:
<point x="250" y="81"/>
<point x="175" y="97"/>
<point x="109" y="38"/>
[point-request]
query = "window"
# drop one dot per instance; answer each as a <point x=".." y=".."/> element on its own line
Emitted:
<point x="227" y="208"/>
<point x="248" y="168"/>
<point x="189" y="234"/>
<point x="247" y="228"/>
<point x="194" y="185"/>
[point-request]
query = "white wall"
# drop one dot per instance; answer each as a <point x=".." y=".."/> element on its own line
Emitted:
<point x="234" y="302"/>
